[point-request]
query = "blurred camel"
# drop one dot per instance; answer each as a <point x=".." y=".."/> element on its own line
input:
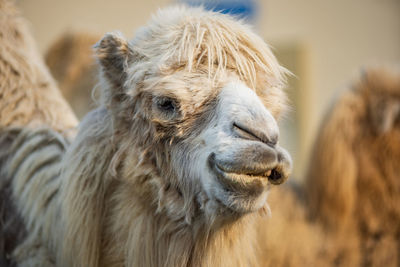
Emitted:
<point x="71" y="62"/>
<point x="353" y="184"/>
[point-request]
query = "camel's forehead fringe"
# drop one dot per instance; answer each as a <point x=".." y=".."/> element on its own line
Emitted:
<point x="208" y="41"/>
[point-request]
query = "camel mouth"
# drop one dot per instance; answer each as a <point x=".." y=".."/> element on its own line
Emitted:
<point x="244" y="183"/>
<point x="246" y="177"/>
<point x="239" y="192"/>
<point x="274" y="176"/>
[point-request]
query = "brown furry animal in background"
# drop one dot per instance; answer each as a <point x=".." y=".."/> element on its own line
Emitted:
<point x="71" y="62"/>
<point x="352" y="191"/>
<point x="353" y="185"/>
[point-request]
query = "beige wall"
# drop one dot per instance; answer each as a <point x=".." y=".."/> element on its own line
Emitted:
<point x="51" y="18"/>
<point x="338" y="37"/>
<point x="335" y="38"/>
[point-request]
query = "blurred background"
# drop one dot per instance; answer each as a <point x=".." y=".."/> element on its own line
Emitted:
<point x="323" y="43"/>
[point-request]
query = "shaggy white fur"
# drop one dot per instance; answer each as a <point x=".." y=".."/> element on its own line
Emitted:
<point x="172" y="169"/>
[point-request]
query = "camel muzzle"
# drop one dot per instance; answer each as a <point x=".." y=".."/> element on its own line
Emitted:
<point x="252" y="167"/>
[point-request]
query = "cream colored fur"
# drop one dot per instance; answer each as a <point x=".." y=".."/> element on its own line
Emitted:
<point x="127" y="190"/>
<point x="29" y="99"/>
<point x="130" y="204"/>
<point x="29" y="96"/>
<point x="33" y="169"/>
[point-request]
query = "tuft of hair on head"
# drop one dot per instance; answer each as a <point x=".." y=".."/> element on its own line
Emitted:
<point x="199" y="39"/>
<point x="192" y="39"/>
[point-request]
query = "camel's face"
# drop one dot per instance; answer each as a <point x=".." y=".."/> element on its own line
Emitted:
<point x="241" y="153"/>
<point x="212" y="140"/>
<point x="236" y="155"/>
<point x="222" y="139"/>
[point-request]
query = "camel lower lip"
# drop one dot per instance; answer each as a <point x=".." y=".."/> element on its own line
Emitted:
<point x="271" y="175"/>
<point x="239" y="183"/>
<point x="236" y="175"/>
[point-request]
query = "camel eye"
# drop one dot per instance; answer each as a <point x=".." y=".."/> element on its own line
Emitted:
<point x="166" y="104"/>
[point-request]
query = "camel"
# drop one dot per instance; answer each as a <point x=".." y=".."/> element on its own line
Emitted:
<point x="346" y="211"/>
<point x="73" y="66"/>
<point x="285" y="238"/>
<point x="29" y="95"/>
<point x="288" y="237"/>
<point x="174" y="166"/>
<point x="353" y="183"/>
<point x="29" y="98"/>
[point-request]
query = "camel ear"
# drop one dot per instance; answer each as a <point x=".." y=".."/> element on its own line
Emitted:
<point x="114" y="55"/>
<point x="385" y="115"/>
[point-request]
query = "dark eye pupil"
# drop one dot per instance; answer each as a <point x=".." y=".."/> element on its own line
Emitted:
<point x="166" y="105"/>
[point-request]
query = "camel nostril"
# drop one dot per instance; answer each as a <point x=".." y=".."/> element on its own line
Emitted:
<point x="255" y="134"/>
<point x="275" y="177"/>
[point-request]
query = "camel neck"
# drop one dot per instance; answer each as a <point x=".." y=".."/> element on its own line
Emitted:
<point x="153" y="239"/>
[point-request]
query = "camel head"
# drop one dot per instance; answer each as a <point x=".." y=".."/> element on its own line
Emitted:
<point x="380" y="88"/>
<point x="194" y="100"/>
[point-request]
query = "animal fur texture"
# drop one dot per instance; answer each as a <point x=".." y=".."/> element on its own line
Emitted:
<point x="172" y="169"/>
<point x="73" y="66"/>
<point x="29" y="96"/>
<point x="29" y="99"/>
<point x="30" y="179"/>
<point x="347" y="211"/>
<point x="353" y="185"/>
<point x="288" y="237"/>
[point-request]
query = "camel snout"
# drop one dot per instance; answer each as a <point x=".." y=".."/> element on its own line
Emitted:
<point x="255" y="160"/>
<point x="242" y="181"/>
